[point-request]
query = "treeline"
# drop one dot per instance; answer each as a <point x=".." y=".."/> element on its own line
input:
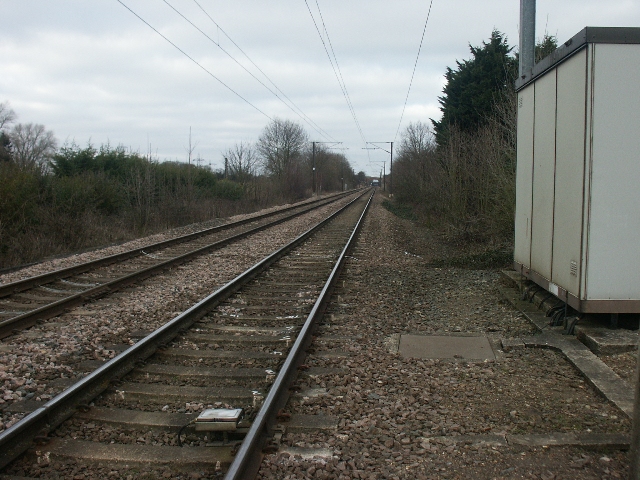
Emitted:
<point x="458" y="173"/>
<point x="86" y="197"/>
<point x="58" y="200"/>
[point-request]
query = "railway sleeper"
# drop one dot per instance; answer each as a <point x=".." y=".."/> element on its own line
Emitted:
<point x="114" y="454"/>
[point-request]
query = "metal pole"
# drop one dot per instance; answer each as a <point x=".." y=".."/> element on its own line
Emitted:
<point x="527" y="36"/>
<point x="384" y="176"/>
<point x="634" y="451"/>
<point x="391" y="173"/>
<point x="313" y="187"/>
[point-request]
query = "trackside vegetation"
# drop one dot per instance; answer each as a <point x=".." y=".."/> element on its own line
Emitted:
<point x="86" y="196"/>
<point x="458" y="173"/>
<point x="59" y="200"/>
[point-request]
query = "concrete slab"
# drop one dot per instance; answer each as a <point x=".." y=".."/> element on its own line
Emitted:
<point x="489" y="440"/>
<point x="175" y="457"/>
<point x="237" y="339"/>
<point x="215" y="354"/>
<point x="452" y="347"/>
<point x="312" y="423"/>
<point x="605" y="341"/>
<point x="307" y="394"/>
<point x="597" y="373"/>
<point x="511" y="343"/>
<point x="137" y="419"/>
<point x="529" y="310"/>
<point x="320" y="371"/>
<point x="581" y="439"/>
<point x="158" y="393"/>
<point x="307" y="453"/>
<point x="23" y="406"/>
<point x="332" y="354"/>
<point x="593" y="440"/>
<point x="215" y="374"/>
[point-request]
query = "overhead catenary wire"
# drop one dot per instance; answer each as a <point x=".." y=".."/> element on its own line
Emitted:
<point x="414" y="71"/>
<point x="243" y="67"/>
<point x="333" y="53"/>
<point x="194" y="60"/>
<point x="335" y="71"/>
<point x="316" y="127"/>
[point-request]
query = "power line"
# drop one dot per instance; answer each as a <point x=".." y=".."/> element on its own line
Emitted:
<point x="261" y="71"/>
<point x="242" y="66"/>
<point x="414" y="70"/>
<point x="324" y="27"/>
<point x="194" y="61"/>
<point x="338" y="77"/>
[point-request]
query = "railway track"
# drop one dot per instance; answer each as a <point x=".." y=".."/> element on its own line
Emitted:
<point x="25" y="302"/>
<point x="233" y="355"/>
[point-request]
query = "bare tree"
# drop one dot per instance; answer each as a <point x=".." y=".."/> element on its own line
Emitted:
<point x="417" y="141"/>
<point x="281" y="146"/>
<point x="7" y="115"/>
<point x="415" y="167"/>
<point x="242" y="161"/>
<point x="32" y="145"/>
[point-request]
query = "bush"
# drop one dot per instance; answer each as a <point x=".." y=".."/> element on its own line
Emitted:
<point x="228" y="190"/>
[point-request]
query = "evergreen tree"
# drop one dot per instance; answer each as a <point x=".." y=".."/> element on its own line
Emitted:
<point x="469" y="96"/>
<point x="546" y="47"/>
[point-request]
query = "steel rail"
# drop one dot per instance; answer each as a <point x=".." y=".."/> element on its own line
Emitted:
<point x="31" y="282"/>
<point x="249" y="457"/>
<point x="18" y="438"/>
<point x="27" y="319"/>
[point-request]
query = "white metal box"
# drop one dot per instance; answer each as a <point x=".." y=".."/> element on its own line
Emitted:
<point x="577" y="223"/>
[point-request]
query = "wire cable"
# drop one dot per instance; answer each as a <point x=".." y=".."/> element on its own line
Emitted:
<point x="240" y="65"/>
<point x="342" y="86"/>
<point x="414" y="70"/>
<point x="194" y="60"/>
<point x="324" y="27"/>
<point x="327" y="135"/>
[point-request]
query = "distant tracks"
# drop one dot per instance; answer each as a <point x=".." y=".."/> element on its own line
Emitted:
<point x="25" y="302"/>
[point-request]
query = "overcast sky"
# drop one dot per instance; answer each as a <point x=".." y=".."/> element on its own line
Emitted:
<point x="90" y="70"/>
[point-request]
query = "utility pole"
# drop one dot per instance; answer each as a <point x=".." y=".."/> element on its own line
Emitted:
<point x="390" y="152"/>
<point x="634" y="451"/>
<point x="527" y="36"/>
<point x="391" y="173"/>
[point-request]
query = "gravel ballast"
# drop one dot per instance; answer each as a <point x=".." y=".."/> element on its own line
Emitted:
<point x="38" y="363"/>
<point x="412" y="418"/>
<point x="397" y="417"/>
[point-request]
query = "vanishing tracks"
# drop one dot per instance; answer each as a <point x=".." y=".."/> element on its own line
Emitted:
<point x="239" y="348"/>
<point x="28" y="301"/>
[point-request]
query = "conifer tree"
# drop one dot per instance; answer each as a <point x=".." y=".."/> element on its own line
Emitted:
<point x="469" y="96"/>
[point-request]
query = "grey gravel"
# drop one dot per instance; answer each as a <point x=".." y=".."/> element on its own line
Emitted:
<point x="404" y="418"/>
<point x="42" y="361"/>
